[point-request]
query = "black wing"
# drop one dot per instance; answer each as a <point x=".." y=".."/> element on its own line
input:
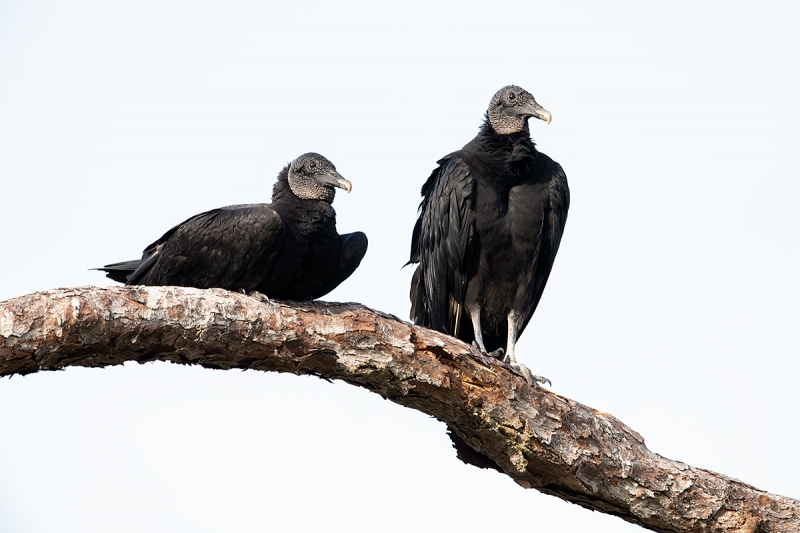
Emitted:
<point x="353" y="248"/>
<point x="442" y="244"/>
<point x="550" y="236"/>
<point x="232" y="248"/>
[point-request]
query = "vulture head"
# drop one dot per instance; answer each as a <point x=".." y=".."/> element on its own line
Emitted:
<point x="510" y="109"/>
<point x="312" y="177"/>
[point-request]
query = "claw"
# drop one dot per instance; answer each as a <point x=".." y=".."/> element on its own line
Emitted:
<point x="261" y="297"/>
<point x="518" y="368"/>
<point x="532" y="380"/>
<point x="497" y="354"/>
<point x="494" y="354"/>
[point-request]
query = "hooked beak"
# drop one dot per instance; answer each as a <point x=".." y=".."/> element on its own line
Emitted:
<point x="345" y="184"/>
<point x="532" y="109"/>
<point x="334" y="179"/>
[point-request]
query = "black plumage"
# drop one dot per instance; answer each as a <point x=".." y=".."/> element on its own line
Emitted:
<point x="287" y="249"/>
<point x="489" y="226"/>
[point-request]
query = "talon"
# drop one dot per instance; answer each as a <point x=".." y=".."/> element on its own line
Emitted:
<point x="261" y="297"/>
<point x="495" y="354"/>
<point x="498" y="354"/>
<point x="532" y="380"/>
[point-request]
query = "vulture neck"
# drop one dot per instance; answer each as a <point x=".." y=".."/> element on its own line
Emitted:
<point x="515" y="151"/>
<point x="282" y="191"/>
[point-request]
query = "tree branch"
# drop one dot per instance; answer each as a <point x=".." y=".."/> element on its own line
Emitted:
<point x="538" y="438"/>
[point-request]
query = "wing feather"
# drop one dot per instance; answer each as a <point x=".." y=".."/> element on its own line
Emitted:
<point x="550" y="238"/>
<point x="442" y="243"/>
<point x="232" y="248"/>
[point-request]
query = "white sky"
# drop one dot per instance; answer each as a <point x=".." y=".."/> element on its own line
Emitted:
<point x="673" y="303"/>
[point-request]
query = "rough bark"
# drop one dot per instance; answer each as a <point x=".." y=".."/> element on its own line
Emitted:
<point x="536" y="437"/>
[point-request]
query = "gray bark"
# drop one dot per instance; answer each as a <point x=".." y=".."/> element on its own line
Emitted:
<point x="538" y="438"/>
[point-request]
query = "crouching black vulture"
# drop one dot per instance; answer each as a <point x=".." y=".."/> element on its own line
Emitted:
<point x="288" y="249"/>
<point x="489" y="226"/>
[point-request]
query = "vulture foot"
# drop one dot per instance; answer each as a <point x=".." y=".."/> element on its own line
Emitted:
<point x="261" y="297"/>
<point x="497" y="354"/>
<point x="494" y="354"/>
<point x="525" y="372"/>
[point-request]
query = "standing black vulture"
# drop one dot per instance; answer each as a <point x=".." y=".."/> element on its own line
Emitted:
<point x="489" y="226"/>
<point x="288" y="249"/>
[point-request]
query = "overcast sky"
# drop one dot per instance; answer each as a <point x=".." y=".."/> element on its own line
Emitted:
<point x="673" y="303"/>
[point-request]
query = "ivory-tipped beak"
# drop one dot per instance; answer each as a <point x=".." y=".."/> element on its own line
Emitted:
<point x="334" y="179"/>
<point x="344" y="184"/>
<point x="533" y="109"/>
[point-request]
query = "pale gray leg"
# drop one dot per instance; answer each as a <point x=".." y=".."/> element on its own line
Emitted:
<point x="475" y="317"/>
<point x="511" y="358"/>
<point x="511" y="345"/>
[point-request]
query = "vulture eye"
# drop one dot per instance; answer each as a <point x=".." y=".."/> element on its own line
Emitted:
<point x="312" y="165"/>
<point x="511" y="96"/>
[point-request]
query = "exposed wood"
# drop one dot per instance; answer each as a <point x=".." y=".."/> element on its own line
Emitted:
<point x="538" y="438"/>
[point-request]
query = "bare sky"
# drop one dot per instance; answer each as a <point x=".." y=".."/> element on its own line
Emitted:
<point x="673" y="303"/>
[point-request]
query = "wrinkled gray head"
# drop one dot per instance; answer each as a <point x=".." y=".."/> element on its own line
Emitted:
<point x="510" y="109"/>
<point x="312" y="177"/>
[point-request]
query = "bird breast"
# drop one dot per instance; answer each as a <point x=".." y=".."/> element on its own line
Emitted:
<point x="512" y="227"/>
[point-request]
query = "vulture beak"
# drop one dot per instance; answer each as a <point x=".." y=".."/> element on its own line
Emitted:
<point x="532" y="109"/>
<point x="334" y="179"/>
<point x="345" y="184"/>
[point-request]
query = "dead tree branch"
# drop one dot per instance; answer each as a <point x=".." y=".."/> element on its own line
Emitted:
<point x="538" y="438"/>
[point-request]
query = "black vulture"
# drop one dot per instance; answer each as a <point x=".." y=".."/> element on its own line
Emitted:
<point x="489" y="226"/>
<point x="288" y="249"/>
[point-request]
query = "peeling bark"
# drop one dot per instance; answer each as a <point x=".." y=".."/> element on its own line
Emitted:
<point x="538" y="438"/>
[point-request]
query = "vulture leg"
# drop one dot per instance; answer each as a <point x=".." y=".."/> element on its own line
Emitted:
<point x="511" y="345"/>
<point x="511" y="359"/>
<point x="475" y="317"/>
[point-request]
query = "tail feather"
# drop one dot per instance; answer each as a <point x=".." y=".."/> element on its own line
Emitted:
<point x="120" y="271"/>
